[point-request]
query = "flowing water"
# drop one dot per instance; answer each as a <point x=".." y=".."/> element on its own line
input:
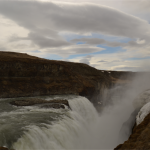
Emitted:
<point x="81" y="127"/>
<point x="33" y="127"/>
<point x="36" y="128"/>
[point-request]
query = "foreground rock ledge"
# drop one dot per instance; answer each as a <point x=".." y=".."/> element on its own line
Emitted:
<point x="139" y="139"/>
<point x="49" y="104"/>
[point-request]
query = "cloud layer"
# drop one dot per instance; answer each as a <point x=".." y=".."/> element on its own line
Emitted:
<point x="45" y="22"/>
<point x="50" y="18"/>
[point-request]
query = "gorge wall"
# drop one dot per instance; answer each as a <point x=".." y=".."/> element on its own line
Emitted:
<point x="22" y="75"/>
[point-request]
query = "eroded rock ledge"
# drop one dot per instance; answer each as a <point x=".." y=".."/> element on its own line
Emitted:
<point x="57" y="103"/>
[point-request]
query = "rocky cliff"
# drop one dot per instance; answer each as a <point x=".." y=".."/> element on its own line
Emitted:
<point x="22" y="75"/>
<point x="140" y="138"/>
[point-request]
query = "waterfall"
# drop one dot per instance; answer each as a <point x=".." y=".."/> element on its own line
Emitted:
<point x="73" y="131"/>
<point x="79" y="128"/>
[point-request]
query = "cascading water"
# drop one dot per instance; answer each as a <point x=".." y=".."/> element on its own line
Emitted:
<point x="36" y="128"/>
<point x="67" y="133"/>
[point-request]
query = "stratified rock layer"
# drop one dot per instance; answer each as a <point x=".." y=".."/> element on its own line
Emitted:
<point x="140" y="138"/>
<point x="22" y="75"/>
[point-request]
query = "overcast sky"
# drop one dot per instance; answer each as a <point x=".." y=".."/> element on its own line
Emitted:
<point x="105" y="34"/>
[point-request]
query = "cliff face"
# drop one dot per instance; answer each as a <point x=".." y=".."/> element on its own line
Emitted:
<point x="22" y="75"/>
<point x="139" y="139"/>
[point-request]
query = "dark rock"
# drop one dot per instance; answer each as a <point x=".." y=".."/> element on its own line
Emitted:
<point x="65" y="102"/>
<point x="56" y="103"/>
<point x="3" y="148"/>
<point x="140" y="138"/>
<point x="28" y="102"/>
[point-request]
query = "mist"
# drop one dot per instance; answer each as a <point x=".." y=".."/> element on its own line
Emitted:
<point x="118" y="114"/>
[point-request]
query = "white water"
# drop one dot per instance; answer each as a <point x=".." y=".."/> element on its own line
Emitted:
<point x="144" y="111"/>
<point x="71" y="132"/>
<point x="81" y="128"/>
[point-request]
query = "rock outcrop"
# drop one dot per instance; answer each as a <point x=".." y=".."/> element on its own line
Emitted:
<point x="22" y="75"/>
<point x="57" y="103"/>
<point x="3" y="148"/>
<point x="54" y="105"/>
<point x="140" y="137"/>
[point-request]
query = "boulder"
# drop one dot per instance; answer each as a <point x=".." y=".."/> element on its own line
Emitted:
<point x="28" y="102"/>
<point x="54" y="105"/>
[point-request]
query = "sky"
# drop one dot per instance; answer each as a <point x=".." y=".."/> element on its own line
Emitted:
<point x="105" y="34"/>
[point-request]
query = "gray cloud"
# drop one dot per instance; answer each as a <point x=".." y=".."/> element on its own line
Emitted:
<point x="83" y="18"/>
<point x="41" y="40"/>
<point x="127" y="68"/>
<point x="113" y="61"/>
<point x="45" y="42"/>
<point x="97" y="41"/>
<point x="141" y="5"/>
<point x="116" y="61"/>
<point x="86" y="59"/>
<point x="2" y="48"/>
<point x="74" y="50"/>
<point x="14" y="38"/>
<point x="46" y="21"/>
<point x="46" y="37"/>
<point x="94" y="41"/>
<point x="102" y="61"/>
